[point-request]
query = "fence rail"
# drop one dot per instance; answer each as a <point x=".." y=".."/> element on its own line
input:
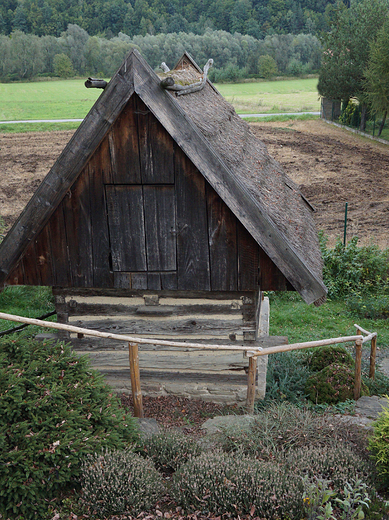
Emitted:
<point x="251" y="351"/>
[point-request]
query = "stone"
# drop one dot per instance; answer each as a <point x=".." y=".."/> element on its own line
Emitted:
<point x="147" y="427"/>
<point x="227" y="422"/>
<point x="371" y="407"/>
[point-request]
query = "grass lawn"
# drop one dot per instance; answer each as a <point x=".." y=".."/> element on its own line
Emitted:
<point x="291" y="317"/>
<point x="69" y="99"/>
<point x="290" y="95"/>
<point x="66" y="99"/>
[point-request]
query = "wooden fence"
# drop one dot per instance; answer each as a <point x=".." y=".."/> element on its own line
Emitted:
<point x="252" y="353"/>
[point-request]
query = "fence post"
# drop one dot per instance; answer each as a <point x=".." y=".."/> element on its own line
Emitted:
<point x="251" y="384"/>
<point x="358" y="369"/>
<point x="135" y="379"/>
<point x="373" y="352"/>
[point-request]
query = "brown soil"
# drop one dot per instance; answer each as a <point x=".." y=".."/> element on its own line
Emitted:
<point x="331" y="165"/>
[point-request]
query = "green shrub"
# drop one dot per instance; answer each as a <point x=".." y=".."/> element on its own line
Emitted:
<point x="374" y="307"/>
<point x="54" y="409"/>
<point x="377" y="386"/>
<point x="353" y="269"/>
<point x="115" y="482"/>
<point x="379" y="444"/>
<point x="324" y="356"/>
<point x="332" y="385"/>
<point x="280" y="428"/>
<point x="219" y="483"/>
<point x="336" y="463"/>
<point x="285" y="379"/>
<point x="169" y="450"/>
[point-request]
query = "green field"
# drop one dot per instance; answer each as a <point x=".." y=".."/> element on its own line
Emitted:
<point x="69" y="99"/>
<point x="46" y="100"/>
<point x="291" y="95"/>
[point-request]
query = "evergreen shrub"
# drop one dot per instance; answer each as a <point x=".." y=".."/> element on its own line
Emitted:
<point x="379" y="444"/>
<point x="115" y="482"/>
<point x="285" y="378"/>
<point x="169" y="449"/>
<point x="324" y="356"/>
<point x="332" y="385"/>
<point x="54" y="410"/>
<point x="222" y="483"/>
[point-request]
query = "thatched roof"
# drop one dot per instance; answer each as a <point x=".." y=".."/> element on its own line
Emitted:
<point x="220" y="145"/>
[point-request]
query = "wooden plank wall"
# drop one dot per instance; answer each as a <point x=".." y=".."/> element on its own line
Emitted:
<point x="142" y="217"/>
<point x="227" y="315"/>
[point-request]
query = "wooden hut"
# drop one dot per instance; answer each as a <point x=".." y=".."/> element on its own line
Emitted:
<point x="164" y="215"/>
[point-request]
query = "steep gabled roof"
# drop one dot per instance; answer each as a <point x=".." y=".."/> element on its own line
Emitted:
<point x="223" y="149"/>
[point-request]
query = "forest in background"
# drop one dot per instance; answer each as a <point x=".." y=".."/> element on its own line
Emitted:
<point x="75" y="52"/>
<point x="107" y="18"/>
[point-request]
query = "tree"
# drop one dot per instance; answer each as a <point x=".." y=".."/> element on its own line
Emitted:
<point x="377" y="74"/>
<point x="63" y="66"/>
<point x="267" y="67"/>
<point x="346" y="50"/>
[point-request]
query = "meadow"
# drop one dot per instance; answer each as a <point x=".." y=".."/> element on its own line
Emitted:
<point x="69" y="99"/>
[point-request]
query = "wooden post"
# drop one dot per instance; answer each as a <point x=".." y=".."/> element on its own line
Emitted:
<point x="135" y="379"/>
<point x="251" y="384"/>
<point x="373" y="352"/>
<point x="358" y="369"/>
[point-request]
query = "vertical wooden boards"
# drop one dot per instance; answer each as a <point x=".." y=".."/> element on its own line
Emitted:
<point x="59" y="249"/>
<point x="124" y="147"/>
<point x="248" y="260"/>
<point x="270" y="277"/>
<point x="160" y="227"/>
<point x="192" y="226"/>
<point x="98" y="166"/>
<point x="77" y="212"/>
<point x="44" y="257"/>
<point x="222" y="243"/>
<point x="155" y="147"/>
<point x="126" y="227"/>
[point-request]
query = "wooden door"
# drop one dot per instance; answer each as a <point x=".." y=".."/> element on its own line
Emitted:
<point x="142" y="227"/>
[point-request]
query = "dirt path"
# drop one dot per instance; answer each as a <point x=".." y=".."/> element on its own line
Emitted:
<point x="331" y="165"/>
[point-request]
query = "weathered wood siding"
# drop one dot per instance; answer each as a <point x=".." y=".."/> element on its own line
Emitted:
<point x="141" y="217"/>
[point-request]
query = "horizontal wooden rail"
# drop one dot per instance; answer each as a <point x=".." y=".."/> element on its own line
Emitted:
<point x="307" y="344"/>
<point x="129" y="339"/>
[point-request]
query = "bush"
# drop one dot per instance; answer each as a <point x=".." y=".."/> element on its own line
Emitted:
<point x="219" y="483"/>
<point x="352" y="269"/>
<point x="285" y="379"/>
<point x="54" y="410"/>
<point x="280" y="428"/>
<point x="374" y="307"/>
<point x="332" y="385"/>
<point x="379" y="444"/>
<point x="324" y="356"/>
<point x="119" y="481"/>
<point x="377" y="386"/>
<point x="169" y="450"/>
<point x="336" y="463"/>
